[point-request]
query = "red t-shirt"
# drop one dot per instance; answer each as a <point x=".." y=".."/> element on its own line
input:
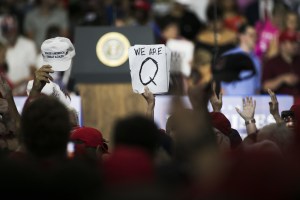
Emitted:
<point x="278" y="66"/>
<point x="234" y="22"/>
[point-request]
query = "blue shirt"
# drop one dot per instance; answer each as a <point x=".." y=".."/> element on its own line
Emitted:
<point x="248" y="86"/>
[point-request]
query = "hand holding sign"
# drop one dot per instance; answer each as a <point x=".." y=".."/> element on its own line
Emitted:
<point x="149" y="66"/>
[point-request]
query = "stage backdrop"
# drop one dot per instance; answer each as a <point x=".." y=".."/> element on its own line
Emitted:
<point x="102" y="53"/>
<point x="262" y="114"/>
<point x="101" y="70"/>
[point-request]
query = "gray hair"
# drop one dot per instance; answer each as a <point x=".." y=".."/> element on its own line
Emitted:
<point x="279" y="134"/>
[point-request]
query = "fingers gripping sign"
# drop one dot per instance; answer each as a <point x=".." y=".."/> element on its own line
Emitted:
<point x="41" y="77"/>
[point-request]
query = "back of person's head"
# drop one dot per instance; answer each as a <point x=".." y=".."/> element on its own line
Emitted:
<point x="136" y="131"/>
<point x="279" y="134"/>
<point x="242" y="29"/>
<point x="9" y="27"/>
<point x="90" y="139"/>
<point x="45" y="127"/>
<point x="52" y="32"/>
<point x="128" y="165"/>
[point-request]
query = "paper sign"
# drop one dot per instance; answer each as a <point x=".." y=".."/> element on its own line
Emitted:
<point x="149" y="66"/>
<point x="182" y="56"/>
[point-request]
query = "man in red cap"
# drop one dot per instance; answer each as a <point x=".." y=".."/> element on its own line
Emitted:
<point x="89" y="141"/>
<point x="281" y="73"/>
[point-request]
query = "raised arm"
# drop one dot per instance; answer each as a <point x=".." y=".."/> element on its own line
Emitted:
<point x="274" y="107"/>
<point x="248" y="114"/>
<point x="216" y="102"/>
<point x="12" y="117"/>
<point x="150" y="99"/>
<point x="41" y="77"/>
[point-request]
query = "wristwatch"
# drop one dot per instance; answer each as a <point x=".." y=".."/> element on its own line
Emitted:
<point x="251" y="121"/>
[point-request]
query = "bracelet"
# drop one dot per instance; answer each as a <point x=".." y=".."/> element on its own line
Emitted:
<point x="251" y="121"/>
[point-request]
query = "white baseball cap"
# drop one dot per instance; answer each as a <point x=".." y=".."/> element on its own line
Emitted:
<point x="184" y="2"/>
<point x="58" y="53"/>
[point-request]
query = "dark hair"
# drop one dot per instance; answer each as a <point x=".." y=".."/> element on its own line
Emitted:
<point x="165" y="21"/>
<point x="235" y="5"/>
<point x="242" y="29"/>
<point x="210" y="13"/>
<point x="137" y="131"/>
<point x="45" y="127"/>
<point x="52" y="31"/>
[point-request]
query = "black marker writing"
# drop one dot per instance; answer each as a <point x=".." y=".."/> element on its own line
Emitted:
<point x="151" y="79"/>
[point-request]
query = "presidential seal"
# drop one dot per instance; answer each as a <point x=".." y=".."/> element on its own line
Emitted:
<point x="112" y="49"/>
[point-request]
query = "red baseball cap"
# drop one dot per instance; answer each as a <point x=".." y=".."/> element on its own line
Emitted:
<point x="142" y="4"/>
<point x="91" y="137"/>
<point x="287" y="35"/>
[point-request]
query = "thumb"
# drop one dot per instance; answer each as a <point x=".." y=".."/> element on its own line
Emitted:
<point x="238" y="110"/>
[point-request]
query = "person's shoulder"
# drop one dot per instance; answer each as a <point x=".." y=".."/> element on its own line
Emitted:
<point x="25" y="41"/>
<point x="231" y="35"/>
<point x="233" y="51"/>
<point x="204" y="36"/>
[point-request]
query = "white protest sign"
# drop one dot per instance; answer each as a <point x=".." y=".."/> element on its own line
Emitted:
<point x="182" y="55"/>
<point x="149" y="66"/>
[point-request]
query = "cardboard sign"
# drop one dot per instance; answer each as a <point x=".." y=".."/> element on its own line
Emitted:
<point x="182" y="56"/>
<point x="150" y="66"/>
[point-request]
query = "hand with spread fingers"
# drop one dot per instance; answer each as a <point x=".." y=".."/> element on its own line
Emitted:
<point x="216" y="102"/>
<point x="248" y="114"/>
<point x="248" y="109"/>
<point x="41" y="77"/>
<point x="274" y="106"/>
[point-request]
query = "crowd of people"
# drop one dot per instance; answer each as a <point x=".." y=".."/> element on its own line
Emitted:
<point x="199" y="155"/>
<point x="266" y="31"/>
<point x="44" y="153"/>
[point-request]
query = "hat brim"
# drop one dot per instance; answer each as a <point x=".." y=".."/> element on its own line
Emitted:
<point x="59" y="65"/>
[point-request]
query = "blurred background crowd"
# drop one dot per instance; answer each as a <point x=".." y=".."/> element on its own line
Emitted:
<point x="265" y="30"/>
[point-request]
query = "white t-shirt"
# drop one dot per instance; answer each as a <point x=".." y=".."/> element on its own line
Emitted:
<point x="20" y="58"/>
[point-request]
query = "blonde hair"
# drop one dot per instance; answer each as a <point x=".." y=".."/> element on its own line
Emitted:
<point x="201" y="57"/>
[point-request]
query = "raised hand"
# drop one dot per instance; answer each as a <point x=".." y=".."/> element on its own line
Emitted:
<point x="274" y="106"/>
<point x="216" y="102"/>
<point x="149" y="97"/>
<point x="248" y="109"/>
<point x="41" y="77"/>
